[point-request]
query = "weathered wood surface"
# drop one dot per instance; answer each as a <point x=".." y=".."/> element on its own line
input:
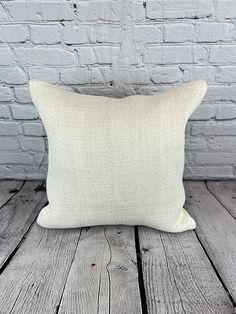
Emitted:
<point x="103" y="277"/>
<point x="21" y="203"/>
<point x="225" y="193"/>
<point x="34" y="280"/>
<point x="95" y="270"/>
<point x="178" y="277"/>
<point x="8" y="189"/>
<point x="216" y="229"/>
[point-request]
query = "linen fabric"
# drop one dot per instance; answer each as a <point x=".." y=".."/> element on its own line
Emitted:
<point x="116" y="161"/>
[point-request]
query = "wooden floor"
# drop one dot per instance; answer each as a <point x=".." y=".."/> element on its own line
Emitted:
<point x="118" y="269"/>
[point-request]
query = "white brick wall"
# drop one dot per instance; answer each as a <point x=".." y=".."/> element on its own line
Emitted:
<point x="118" y="48"/>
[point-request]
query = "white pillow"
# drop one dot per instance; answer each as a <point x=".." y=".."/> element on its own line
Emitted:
<point x="116" y="161"/>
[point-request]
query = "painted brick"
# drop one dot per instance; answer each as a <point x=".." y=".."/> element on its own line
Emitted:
<point x="101" y="75"/>
<point x="39" y="173"/>
<point x="194" y="172"/>
<point x="174" y="54"/>
<point x="214" y="158"/>
<point x="134" y="76"/>
<point x="188" y="129"/>
<point x="25" y="172"/>
<point x="148" y="34"/>
<point x="119" y="48"/>
<point x="219" y="172"/>
<point x="16" y="158"/>
<point x="214" y="129"/>
<point x="13" y="33"/>
<point x="100" y="10"/>
<point x="188" y="158"/>
<point x="226" y="112"/>
<point x="226" y="74"/>
<point x="222" y="143"/>
<point x="79" y="34"/>
<point x="3" y="14"/>
<point x="74" y="75"/>
<point x="9" y="128"/>
<point x="5" y="56"/>
<point x="138" y="11"/>
<point x="179" y="32"/>
<point x="22" y="95"/>
<point x="108" y="34"/>
<point x="203" y="113"/>
<point x="86" y="56"/>
<point x="192" y="73"/>
<point x="45" y="34"/>
<point x="5" y="93"/>
<point x="223" y="54"/>
<point x="213" y="32"/>
<point x="233" y="34"/>
<point x="195" y="143"/>
<point x="44" y="56"/>
<point x="13" y="172"/>
<point x="33" y="129"/>
<point x="43" y="74"/>
<point x="41" y="159"/>
<point x="166" y="74"/>
<point x="40" y="10"/>
<point x="32" y="144"/>
<point x="221" y="93"/>
<point x="109" y="91"/>
<point x="102" y="55"/>
<point x="21" y="112"/>
<point x="4" y="112"/>
<point x="128" y="53"/>
<point x="13" y="75"/>
<point x="105" y="55"/>
<point x="225" y="9"/>
<point x="9" y="144"/>
<point x="173" y="9"/>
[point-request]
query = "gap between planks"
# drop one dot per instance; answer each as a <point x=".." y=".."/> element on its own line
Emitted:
<point x="20" y="203"/>
<point x="139" y="255"/>
<point x="23" y="265"/>
<point x="216" y="228"/>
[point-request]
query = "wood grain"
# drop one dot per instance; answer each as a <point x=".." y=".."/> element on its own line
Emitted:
<point x="103" y="277"/>
<point x="95" y="270"/>
<point x="8" y="189"/>
<point x="178" y="276"/>
<point x="21" y="205"/>
<point x="216" y="229"/>
<point x="225" y="192"/>
<point x="34" y="280"/>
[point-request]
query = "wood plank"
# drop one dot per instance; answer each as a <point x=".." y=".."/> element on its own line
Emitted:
<point x="225" y="192"/>
<point x="34" y="280"/>
<point x="103" y="277"/>
<point x="7" y="190"/>
<point x="178" y="276"/>
<point x="18" y="213"/>
<point x="216" y="229"/>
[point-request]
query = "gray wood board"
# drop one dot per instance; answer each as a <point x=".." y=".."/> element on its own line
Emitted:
<point x="8" y="189"/>
<point x="225" y="192"/>
<point x="178" y="276"/>
<point x="216" y="229"/>
<point x="18" y="213"/>
<point x="34" y="280"/>
<point x="103" y="277"/>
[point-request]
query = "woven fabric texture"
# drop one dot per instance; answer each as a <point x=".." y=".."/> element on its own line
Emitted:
<point x="116" y="161"/>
